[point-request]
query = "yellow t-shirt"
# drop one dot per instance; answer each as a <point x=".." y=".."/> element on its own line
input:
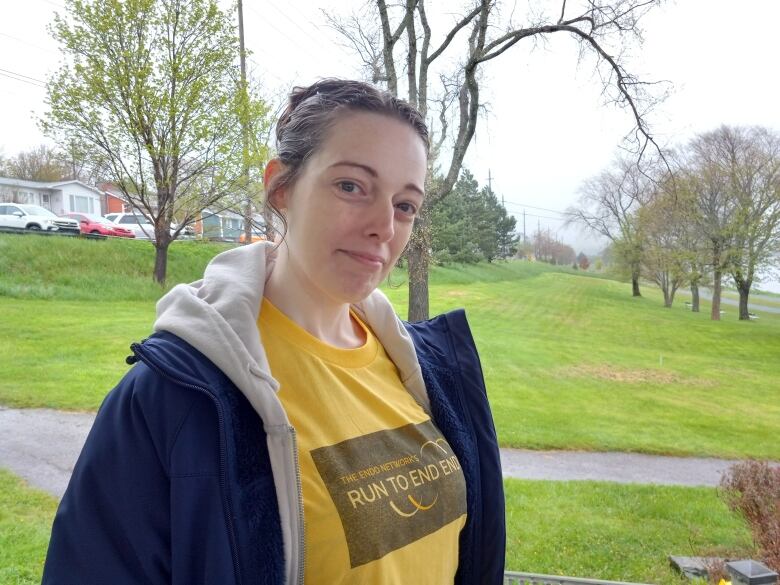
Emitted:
<point x="383" y="494"/>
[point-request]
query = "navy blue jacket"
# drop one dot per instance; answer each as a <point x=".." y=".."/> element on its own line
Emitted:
<point x="174" y="483"/>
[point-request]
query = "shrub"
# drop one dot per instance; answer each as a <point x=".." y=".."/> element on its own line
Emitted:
<point x="752" y="488"/>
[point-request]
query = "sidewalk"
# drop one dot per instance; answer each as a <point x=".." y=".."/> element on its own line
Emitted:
<point x="42" y="446"/>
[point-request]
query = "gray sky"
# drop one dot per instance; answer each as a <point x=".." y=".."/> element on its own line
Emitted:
<point x="546" y="130"/>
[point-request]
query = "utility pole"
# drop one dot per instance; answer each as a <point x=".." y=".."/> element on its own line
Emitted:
<point x="244" y="130"/>
<point x="524" y="240"/>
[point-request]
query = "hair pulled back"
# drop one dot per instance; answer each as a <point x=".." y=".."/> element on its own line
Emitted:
<point x="311" y="111"/>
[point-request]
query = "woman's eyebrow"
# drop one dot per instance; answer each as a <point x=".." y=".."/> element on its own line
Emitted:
<point x="371" y="171"/>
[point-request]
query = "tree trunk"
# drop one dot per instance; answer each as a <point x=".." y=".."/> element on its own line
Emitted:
<point x="162" y="241"/>
<point x="667" y="297"/>
<point x="635" y="282"/>
<point x="715" y="315"/>
<point x="418" y="258"/>
<point x="694" y="297"/>
<point x="744" y="292"/>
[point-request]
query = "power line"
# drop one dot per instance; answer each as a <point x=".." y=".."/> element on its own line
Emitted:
<point x="267" y="21"/>
<point x="22" y="75"/>
<point x="23" y="78"/>
<point x="517" y="213"/>
<point x="535" y="207"/>
<point x="306" y="35"/>
<point x="17" y="39"/>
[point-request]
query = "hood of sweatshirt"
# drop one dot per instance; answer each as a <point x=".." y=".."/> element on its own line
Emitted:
<point x="218" y="316"/>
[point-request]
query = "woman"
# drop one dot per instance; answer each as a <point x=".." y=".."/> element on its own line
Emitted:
<point x="282" y="423"/>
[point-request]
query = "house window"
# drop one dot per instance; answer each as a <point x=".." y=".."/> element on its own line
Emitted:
<point x="82" y="204"/>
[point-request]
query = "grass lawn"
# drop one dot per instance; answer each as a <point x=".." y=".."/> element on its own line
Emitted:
<point x="587" y="529"/>
<point x="571" y="361"/>
<point x="577" y="363"/>
<point x="616" y="532"/>
<point x="66" y="354"/>
<point x="25" y="523"/>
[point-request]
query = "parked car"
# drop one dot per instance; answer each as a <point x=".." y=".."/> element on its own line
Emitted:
<point x="135" y="222"/>
<point x="94" y="224"/>
<point x="256" y="237"/>
<point x="36" y="218"/>
<point x="187" y="233"/>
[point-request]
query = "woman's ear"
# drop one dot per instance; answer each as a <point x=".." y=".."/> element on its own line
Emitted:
<point x="274" y="169"/>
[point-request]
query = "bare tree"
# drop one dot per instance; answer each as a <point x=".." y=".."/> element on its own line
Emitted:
<point x="691" y="241"/>
<point x="42" y="163"/>
<point x="754" y="168"/>
<point x="734" y="175"/>
<point x="609" y="205"/>
<point x="407" y="45"/>
<point x="664" y="256"/>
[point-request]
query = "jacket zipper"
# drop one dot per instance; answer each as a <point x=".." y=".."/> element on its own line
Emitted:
<point x="299" y="489"/>
<point x="228" y="503"/>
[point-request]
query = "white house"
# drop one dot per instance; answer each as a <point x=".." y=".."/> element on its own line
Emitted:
<point x="60" y="196"/>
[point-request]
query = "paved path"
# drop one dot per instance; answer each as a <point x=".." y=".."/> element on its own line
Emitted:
<point x="706" y="294"/>
<point x="42" y="446"/>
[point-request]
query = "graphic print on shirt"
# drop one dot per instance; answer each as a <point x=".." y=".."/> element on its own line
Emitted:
<point x="392" y="487"/>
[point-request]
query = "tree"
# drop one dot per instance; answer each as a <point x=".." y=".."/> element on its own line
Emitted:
<point x="548" y="249"/>
<point x="397" y="39"/>
<point x="734" y="178"/>
<point x="39" y="164"/>
<point x="755" y="176"/>
<point x="582" y="261"/>
<point x="149" y="91"/>
<point x="663" y="256"/>
<point x="691" y="241"/>
<point x="471" y="225"/>
<point x="609" y="203"/>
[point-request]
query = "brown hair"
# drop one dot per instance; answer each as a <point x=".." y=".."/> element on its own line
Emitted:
<point x="310" y="113"/>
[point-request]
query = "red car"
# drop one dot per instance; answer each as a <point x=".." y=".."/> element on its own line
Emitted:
<point x="94" y="224"/>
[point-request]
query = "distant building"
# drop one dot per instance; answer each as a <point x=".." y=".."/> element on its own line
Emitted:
<point x="60" y="197"/>
<point x="222" y="225"/>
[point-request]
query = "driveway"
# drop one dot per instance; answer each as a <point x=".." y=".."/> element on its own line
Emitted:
<point x="42" y="446"/>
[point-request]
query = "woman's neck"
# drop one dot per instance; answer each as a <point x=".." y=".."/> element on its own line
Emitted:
<point x="295" y="295"/>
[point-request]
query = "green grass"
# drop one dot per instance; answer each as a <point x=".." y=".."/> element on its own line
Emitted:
<point x="571" y="360"/>
<point x="25" y="522"/>
<point x="586" y="529"/>
<point x="574" y="362"/>
<point x="66" y="354"/>
<point x="57" y="268"/>
<point x="616" y="532"/>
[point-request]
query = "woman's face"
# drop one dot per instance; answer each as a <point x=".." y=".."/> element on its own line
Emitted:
<point x="350" y="212"/>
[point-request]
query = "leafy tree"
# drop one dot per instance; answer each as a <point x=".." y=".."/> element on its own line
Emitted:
<point x="471" y="225"/>
<point x="149" y="93"/>
<point x="582" y="261"/>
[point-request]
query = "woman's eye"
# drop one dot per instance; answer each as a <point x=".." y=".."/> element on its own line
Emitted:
<point x="407" y="208"/>
<point x="348" y="186"/>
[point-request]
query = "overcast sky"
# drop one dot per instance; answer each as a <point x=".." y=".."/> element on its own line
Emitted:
<point x="546" y="129"/>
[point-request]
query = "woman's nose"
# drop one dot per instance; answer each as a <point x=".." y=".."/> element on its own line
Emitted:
<point x="381" y="224"/>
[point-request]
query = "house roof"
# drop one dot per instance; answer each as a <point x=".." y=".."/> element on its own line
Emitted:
<point x="43" y="185"/>
<point x="222" y="213"/>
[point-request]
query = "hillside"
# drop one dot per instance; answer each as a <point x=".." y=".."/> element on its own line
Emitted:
<point x="571" y="361"/>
